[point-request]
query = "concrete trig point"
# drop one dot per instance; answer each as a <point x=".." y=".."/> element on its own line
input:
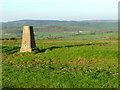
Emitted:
<point x="28" y="40"/>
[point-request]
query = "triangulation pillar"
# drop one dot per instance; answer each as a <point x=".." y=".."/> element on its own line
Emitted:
<point x="28" y="40"/>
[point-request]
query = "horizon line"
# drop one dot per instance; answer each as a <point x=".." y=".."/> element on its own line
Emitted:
<point x="58" y="20"/>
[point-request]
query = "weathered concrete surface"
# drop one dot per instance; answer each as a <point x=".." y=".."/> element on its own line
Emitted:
<point x="28" y="40"/>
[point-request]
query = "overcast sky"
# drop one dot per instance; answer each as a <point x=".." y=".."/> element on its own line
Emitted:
<point x="58" y="9"/>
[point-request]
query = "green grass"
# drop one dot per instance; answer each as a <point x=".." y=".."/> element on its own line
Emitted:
<point x="93" y="37"/>
<point x="53" y="34"/>
<point x="68" y="35"/>
<point x="61" y="64"/>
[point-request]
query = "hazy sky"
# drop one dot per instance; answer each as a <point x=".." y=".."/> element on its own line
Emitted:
<point x="58" y="9"/>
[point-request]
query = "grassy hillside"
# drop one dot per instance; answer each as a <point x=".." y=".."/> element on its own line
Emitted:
<point x="61" y="64"/>
<point x="73" y="54"/>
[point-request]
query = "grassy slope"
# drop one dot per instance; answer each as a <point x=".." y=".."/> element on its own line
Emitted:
<point x="61" y="64"/>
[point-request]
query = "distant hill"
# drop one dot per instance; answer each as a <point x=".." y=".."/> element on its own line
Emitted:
<point x="102" y="21"/>
<point x="16" y="27"/>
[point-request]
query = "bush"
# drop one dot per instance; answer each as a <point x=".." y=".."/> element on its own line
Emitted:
<point x="5" y="38"/>
<point x="13" y="38"/>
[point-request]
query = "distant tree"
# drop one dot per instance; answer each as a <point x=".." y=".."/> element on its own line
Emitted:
<point x="13" y="38"/>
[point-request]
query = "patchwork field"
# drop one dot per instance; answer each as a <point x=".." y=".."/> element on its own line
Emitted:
<point x="61" y="64"/>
